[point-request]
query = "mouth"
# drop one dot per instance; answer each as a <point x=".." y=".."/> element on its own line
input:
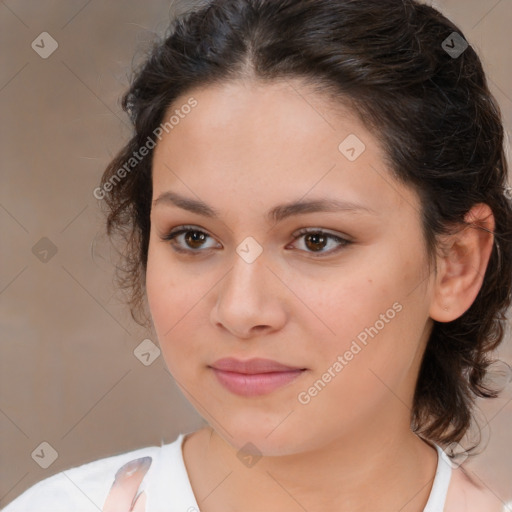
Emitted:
<point x="254" y="377"/>
<point x="252" y="366"/>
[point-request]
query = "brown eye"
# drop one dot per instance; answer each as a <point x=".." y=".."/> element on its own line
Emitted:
<point x="195" y="239"/>
<point x="188" y="239"/>
<point x="316" y="240"/>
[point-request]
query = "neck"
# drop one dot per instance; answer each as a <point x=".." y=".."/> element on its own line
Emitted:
<point x="377" y="469"/>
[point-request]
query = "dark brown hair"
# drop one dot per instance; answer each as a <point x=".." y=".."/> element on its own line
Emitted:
<point x="432" y="111"/>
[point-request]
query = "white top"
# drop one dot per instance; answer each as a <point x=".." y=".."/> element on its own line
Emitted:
<point x="166" y="484"/>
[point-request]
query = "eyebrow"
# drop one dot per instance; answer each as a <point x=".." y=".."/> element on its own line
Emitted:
<point x="276" y="214"/>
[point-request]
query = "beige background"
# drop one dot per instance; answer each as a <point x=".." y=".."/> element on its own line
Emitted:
<point x="68" y="373"/>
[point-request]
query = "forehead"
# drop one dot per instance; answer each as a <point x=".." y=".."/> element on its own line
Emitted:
<point x="256" y="140"/>
<point x="241" y="118"/>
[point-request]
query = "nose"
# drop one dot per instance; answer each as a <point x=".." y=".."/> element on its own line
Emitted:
<point x="250" y="301"/>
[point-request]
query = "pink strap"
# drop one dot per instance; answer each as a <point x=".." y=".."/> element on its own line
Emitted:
<point x="127" y="492"/>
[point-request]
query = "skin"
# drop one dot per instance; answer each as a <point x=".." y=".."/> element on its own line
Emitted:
<point x="244" y="149"/>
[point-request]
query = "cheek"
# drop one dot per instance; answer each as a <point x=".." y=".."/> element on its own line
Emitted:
<point x="367" y="325"/>
<point x="365" y="365"/>
<point x="375" y="323"/>
<point x="157" y="283"/>
<point x="347" y="304"/>
<point x="170" y="291"/>
<point x="178" y="304"/>
<point x="167" y="297"/>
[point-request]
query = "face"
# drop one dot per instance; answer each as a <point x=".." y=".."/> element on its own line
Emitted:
<point x="339" y="292"/>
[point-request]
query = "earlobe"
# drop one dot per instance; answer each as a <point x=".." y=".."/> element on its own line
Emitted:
<point x="462" y="265"/>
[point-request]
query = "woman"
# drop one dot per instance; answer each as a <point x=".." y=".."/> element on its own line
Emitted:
<point x="314" y="204"/>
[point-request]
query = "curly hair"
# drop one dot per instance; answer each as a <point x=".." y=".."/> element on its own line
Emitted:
<point x="431" y="110"/>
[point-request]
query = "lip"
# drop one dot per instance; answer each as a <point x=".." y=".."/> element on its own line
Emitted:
<point x="253" y="377"/>
<point x="252" y="366"/>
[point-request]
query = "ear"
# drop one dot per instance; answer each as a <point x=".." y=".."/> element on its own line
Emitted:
<point x="462" y="265"/>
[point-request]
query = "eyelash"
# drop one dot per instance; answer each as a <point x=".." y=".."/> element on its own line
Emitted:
<point x="306" y="231"/>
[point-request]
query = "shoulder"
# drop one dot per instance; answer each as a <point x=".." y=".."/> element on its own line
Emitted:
<point x="81" y="488"/>
<point x="466" y="494"/>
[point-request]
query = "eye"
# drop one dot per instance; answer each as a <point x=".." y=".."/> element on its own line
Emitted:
<point x="315" y="240"/>
<point x="193" y="238"/>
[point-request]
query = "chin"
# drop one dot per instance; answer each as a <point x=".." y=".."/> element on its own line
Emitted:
<point x="259" y="438"/>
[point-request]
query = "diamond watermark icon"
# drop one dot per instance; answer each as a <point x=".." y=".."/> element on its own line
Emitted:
<point x="454" y="45"/>
<point x="249" y="250"/>
<point x="352" y="147"/>
<point x="44" y="45"/>
<point x="44" y="250"/>
<point x="454" y="454"/>
<point x="146" y="352"/>
<point x="45" y="455"/>
<point x="249" y="455"/>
